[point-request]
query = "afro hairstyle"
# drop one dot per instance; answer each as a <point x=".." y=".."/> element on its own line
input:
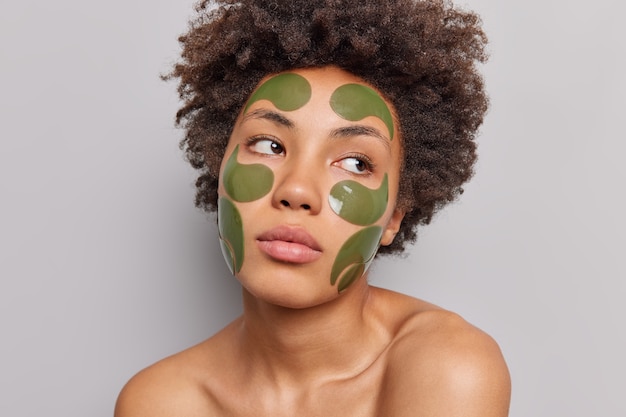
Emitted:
<point x="421" y="54"/>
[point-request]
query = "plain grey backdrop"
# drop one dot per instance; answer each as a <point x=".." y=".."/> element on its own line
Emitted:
<point x="106" y="266"/>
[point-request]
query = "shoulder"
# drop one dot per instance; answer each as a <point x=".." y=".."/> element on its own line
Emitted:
<point x="439" y="364"/>
<point x="182" y="384"/>
<point x="163" y="389"/>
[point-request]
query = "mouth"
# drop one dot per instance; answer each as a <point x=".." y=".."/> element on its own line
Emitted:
<point x="289" y="244"/>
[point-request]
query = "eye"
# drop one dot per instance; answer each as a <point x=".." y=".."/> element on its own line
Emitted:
<point x="357" y="164"/>
<point x="266" y="146"/>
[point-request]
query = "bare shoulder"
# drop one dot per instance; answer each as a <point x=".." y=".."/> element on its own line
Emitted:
<point x="439" y="364"/>
<point x="174" y="386"/>
<point x="163" y="389"/>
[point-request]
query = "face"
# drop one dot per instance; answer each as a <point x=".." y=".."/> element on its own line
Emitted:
<point x="308" y="186"/>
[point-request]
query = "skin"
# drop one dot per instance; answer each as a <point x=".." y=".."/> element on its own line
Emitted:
<point x="242" y="183"/>
<point x="358" y="204"/>
<point x="357" y="101"/>
<point x="287" y="92"/>
<point x="349" y="199"/>
<point x="356" y="254"/>
<point x="231" y="234"/>
<point x="301" y="347"/>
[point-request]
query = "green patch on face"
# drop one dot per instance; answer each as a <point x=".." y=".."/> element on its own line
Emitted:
<point x="355" y="102"/>
<point x="358" y="204"/>
<point x="287" y="92"/>
<point x="245" y="183"/>
<point x="231" y="233"/>
<point x="355" y="256"/>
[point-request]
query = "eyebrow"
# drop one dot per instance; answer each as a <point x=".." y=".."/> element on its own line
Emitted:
<point x="269" y="115"/>
<point x="361" y="130"/>
<point x="342" y="132"/>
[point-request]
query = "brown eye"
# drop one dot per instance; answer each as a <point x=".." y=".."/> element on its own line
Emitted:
<point x="267" y="147"/>
<point x="356" y="165"/>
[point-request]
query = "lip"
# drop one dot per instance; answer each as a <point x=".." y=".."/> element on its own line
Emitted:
<point x="289" y="244"/>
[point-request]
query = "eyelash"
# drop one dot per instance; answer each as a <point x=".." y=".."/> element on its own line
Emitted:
<point x="369" y="165"/>
<point x="250" y="142"/>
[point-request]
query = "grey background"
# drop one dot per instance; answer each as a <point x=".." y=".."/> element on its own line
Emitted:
<point x="106" y="266"/>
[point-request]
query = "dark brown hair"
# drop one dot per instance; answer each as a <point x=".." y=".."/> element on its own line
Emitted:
<point x="421" y="55"/>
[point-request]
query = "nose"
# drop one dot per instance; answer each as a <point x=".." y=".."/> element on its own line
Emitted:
<point x="297" y="189"/>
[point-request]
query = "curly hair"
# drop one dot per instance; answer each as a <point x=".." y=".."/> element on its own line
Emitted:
<point x="421" y="54"/>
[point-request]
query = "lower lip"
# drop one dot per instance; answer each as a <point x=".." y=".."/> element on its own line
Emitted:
<point x="289" y="251"/>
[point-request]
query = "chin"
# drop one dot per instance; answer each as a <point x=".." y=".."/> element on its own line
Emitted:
<point x="288" y="293"/>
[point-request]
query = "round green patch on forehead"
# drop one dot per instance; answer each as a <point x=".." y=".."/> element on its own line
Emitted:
<point x="245" y="183"/>
<point x="288" y="92"/>
<point x="358" y="204"/>
<point x="355" y="102"/>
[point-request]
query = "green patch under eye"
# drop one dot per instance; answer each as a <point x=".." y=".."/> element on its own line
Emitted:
<point x="355" y="102"/>
<point x="358" y="204"/>
<point x="245" y="183"/>
<point x="288" y="92"/>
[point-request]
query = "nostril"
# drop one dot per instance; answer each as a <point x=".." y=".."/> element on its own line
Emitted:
<point x="286" y="203"/>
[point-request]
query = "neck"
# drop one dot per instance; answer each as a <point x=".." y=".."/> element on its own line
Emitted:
<point x="339" y="338"/>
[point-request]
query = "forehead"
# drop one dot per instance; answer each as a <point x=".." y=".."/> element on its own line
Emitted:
<point x="323" y="78"/>
<point x="347" y="95"/>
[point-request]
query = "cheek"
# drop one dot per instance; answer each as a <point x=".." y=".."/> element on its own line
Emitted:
<point x="244" y="183"/>
<point x="362" y="206"/>
<point x="231" y="234"/>
<point x="358" y="204"/>
<point x="355" y="256"/>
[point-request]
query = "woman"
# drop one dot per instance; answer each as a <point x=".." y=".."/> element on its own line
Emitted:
<point x="325" y="132"/>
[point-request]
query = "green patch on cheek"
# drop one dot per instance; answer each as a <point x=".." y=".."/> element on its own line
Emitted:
<point x="355" y="102"/>
<point x="358" y="204"/>
<point x="231" y="234"/>
<point x="287" y="92"/>
<point x="245" y="183"/>
<point x="355" y="256"/>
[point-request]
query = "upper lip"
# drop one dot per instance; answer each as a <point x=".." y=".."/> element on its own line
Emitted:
<point x="290" y="234"/>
